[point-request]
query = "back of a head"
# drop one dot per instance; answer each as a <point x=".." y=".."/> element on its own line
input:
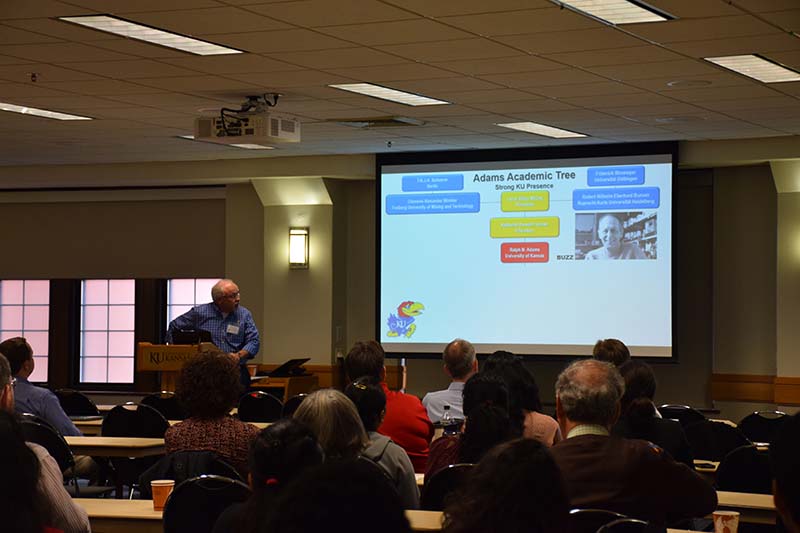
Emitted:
<point x="486" y="410"/>
<point x="785" y="463"/>
<point x="19" y="499"/>
<point x="334" y="420"/>
<point x="640" y="389"/>
<point x="517" y="487"/>
<point x="281" y="452"/>
<point x="17" y="351"/>
<point x="365" y="358"/>
<point x="5" y="372"/>
<point x="459" y="358"/>
<point x="370" y="400"/>
<point x="590" y="391"/>
<point x="339" y="496"/>
<point x="611" y="351"/>
<point x="208" y="385"/>
<point x="523" y="392"/>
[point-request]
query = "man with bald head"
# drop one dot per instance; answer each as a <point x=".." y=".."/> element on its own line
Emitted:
<point x="231" y="326"/>
<point x="632" y="477"/>
<point x="611" y="232"/>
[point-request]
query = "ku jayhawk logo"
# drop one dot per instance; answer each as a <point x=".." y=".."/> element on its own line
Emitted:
<point x="403" y="322"/>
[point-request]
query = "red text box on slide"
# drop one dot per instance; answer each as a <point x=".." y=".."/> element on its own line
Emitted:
<point x="525" y="252"/>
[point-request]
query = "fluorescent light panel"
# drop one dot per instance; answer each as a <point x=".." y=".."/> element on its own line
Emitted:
<point x="617" y="11"/>
<point x="132" y="30"/>
<point x="756" y="67"/>
<point x="385" y="93"/>
<point x="13" y="108"/>
<point x="541" y="129"/>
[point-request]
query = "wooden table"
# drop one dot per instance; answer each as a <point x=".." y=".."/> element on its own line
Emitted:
<point x="92" y="427"/>
<point x="753" y="508"/>
<point x="138" y="516"/>
<point x="115" y="446"/>
<point x="290" y="386"/>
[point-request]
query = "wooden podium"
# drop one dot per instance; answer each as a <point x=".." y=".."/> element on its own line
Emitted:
<point x="167" y="359"/>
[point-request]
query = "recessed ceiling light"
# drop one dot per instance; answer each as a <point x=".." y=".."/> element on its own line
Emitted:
<point x="385" y="93"/>
<point x="247" y="146"/>
<point x="756" y="67"/>
<point x="125" y="28"/>
<point x="618" y="11"/>
<point x="541" y="129"/>
<point x="13" y="108"/>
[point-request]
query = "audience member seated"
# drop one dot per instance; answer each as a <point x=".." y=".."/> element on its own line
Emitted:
<point x="338" y="496"/>
<point x="488" y="423"/>
<point x="460" y="364"/>
<point x="280" y="453"/>
<point x="516" y="488"/>
<point x="611" y="351"/>
<point x="639" y="420"/>
<point x="786" y="473"/>
<point x="53" y="502"/>
<point x="370" y="401"/>
<point x="208" y="387"/>
<point x="333" y="418"/>
<point x="632" y="477"/>
<point x="406" y="421"/>
<point x="525" y="406"/>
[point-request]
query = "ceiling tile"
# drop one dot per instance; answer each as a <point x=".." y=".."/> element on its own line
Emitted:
<point x="20" y="92"/>
<point x="44" y="73"/>
<point x="617" y="100"/>
<point x="198" y="84"/>
<point x="22" y="9"/>
<point x="763" y="44"/>
<point x="571" y="41"/>
<point x="137" y="68"/>
<point x="523" y="106"/>
<point x="600" y="88"/>
<point x="500" y="65"/>
<point x="135" y="48"/>
<point x="231" y="64"/>
<point x="9" y="35"/>
<point x="520" y="22"/>
<point x="459" y="49"/>
<point x="101" y="87"/>
<point x="60" y="53"/>
<point x="702" y="29"/>
<point x="312" y="13"/>
<point x="341" y="58"/>
<point x="280" y="41"/>
<point x="70" y="102"/>
<point x="299" y="78"/>
<point x="721" y="79"/>
<point x="465" y="7"/>
<point x="487" y="96"/>
<point x="643" y="71"/>
<point x="209" y="21"/>
<point x="118" y="7"/>
<point x="403" y="71"/>
<point x="788" y="20"/>
<point x="545" y="78"/>
<point x="703" y="94"/>
<point x="764" y="6"/>
<point x="615" y="56"/>
<point x="397" y="32"/>
<point x="432" y="87"/>
<point x="684" y="9"/>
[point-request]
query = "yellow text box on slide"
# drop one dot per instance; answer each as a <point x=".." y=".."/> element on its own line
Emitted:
<point x="525" y="201"/>
<point x="502" y="228"/>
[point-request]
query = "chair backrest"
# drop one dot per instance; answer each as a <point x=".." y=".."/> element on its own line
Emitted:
<point x="30" y="417"/>
<point x="167" y="404"/>
<point x="745" y="469"/>
<point x="590" y="520"/>
<point x="45" y="436"/>
<point x="76" y="403"/>
<point x="443" y="483"/>
<point x="762" y="426"/>
<point x="682" y="413"/>
<point x="134" y="420"/>
<point x="184" y="465"/>
<point x="625" y="525"/>
<point x="259" y="406"/>
<point x="712" y="441"/>
<point x="292" y="404"/>
<point x="196" y="503"/>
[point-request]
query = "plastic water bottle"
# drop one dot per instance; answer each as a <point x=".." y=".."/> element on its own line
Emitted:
<point x="447" y="421"/>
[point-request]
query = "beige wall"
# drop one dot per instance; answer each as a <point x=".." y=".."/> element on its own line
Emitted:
<point x="788" y="285"/>
<point x="116" y="239"/>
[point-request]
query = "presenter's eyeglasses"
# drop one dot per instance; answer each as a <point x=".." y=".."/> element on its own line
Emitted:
<point x="232" y="296"/>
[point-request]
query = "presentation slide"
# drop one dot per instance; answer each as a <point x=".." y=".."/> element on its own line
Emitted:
<point x="536" y="257"/>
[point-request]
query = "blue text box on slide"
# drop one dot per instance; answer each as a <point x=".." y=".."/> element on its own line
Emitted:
<point x="426" y="204"/>
<point x="605" y="176"/>
<point x="433" y="182"/>
<point x="616" y="198"/>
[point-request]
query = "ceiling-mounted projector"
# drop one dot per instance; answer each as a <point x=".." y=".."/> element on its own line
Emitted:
<point x="252" y="123"/>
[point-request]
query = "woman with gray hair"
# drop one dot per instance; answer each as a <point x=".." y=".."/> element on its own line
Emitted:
<point x="334" y="420"/>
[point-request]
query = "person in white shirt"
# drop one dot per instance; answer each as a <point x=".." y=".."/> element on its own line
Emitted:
<point x="460" y="364"/>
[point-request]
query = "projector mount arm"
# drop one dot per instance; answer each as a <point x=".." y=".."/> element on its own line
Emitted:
<point x="252" y="106"/>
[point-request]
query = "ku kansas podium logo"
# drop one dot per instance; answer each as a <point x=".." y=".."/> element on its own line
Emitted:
<point x="403" y="322"/>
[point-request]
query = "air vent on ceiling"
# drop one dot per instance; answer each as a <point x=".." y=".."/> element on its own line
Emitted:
<point x="378" y="122"/>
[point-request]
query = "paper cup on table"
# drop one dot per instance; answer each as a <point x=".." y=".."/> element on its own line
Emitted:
<point x="161" y="491"/>
<point x="726" y="521"/>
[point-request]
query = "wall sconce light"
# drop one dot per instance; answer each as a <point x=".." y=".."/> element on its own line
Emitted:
<point x="298" y="248"/>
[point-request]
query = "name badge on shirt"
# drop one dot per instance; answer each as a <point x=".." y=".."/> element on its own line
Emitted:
<point x="233" y="329"/>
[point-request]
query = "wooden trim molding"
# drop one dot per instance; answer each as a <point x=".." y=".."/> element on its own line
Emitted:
<point x="333" y="375"/>
<point x="756" y="388"/>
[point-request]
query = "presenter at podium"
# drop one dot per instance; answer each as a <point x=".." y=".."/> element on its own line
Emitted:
<point x="231" y="325"/>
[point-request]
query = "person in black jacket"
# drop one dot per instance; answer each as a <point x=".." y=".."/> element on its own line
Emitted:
<point x="640" y="419"/>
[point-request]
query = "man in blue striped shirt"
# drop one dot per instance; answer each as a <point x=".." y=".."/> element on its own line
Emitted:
<point x="231" y="326"/>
